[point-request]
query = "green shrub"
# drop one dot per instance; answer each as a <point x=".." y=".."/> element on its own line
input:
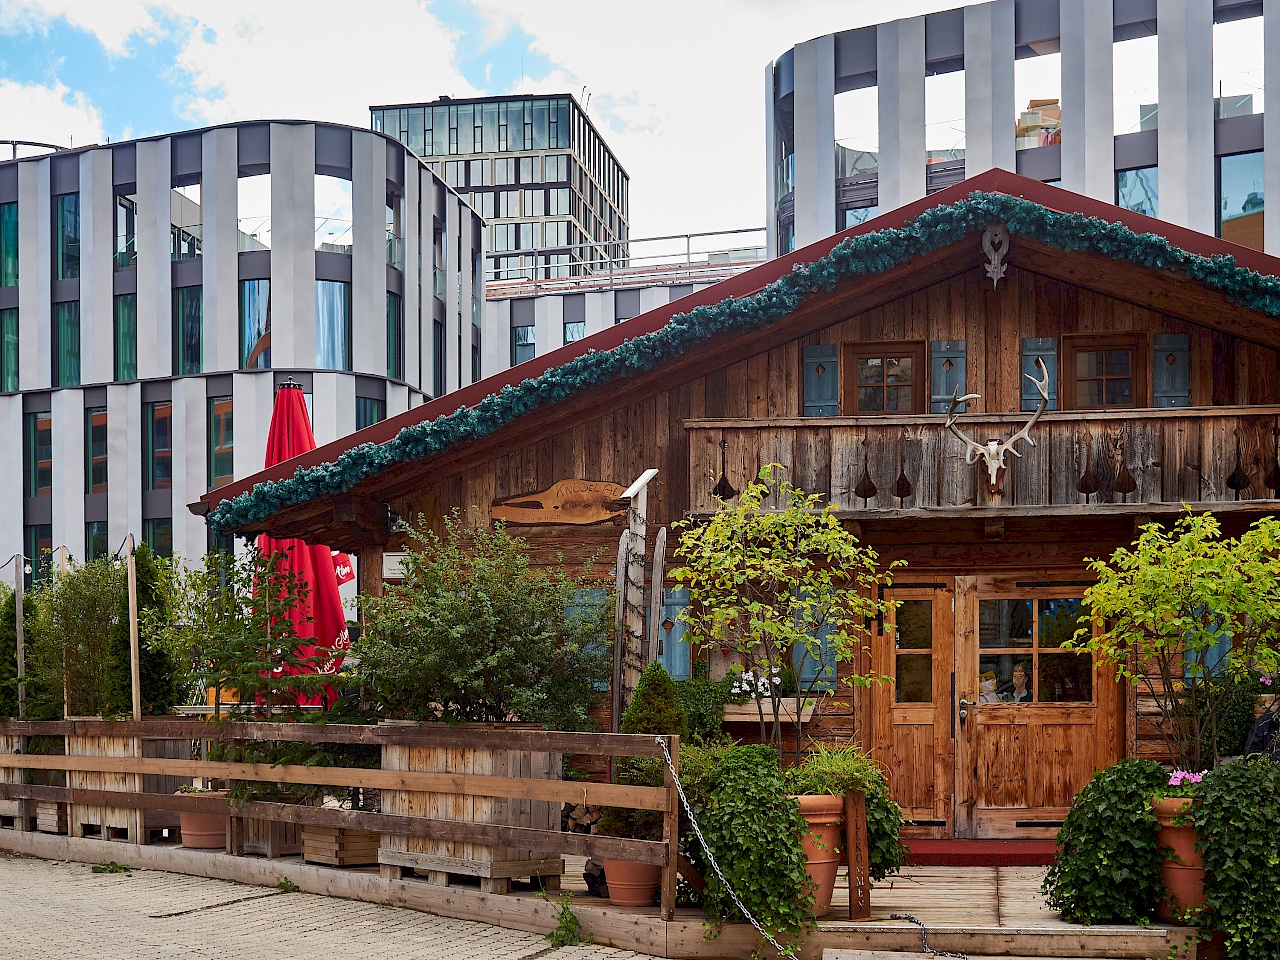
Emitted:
<point x="654" y="708"/>
<point x="157" y="664"/>
<point x="1236" y="824"/>
<point x="634" y="824"/>
<point x="1108" y="864"/>
<point x="835" y="771"/>
<point x="702" y="700"/>
<point x="8" y="654"/>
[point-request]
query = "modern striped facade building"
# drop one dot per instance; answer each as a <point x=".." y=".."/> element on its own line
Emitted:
<point x="154" y="293"/>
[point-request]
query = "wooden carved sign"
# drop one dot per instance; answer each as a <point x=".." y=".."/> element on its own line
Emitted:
<point x="577" y="502"/>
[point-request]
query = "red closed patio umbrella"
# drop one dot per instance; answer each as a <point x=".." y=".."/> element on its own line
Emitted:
<point x="288" y="436"/>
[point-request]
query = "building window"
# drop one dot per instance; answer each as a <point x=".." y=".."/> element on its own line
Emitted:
<point x="126" y="253"/>
<point x="395" y="337"/>
<point x="1240" y="198"/>
<point x="522" y="344"/>
<point x="37" y="545"/>
<point x="187" y="229"/>
<point x="1139" y="190"/>
<point x="333" y="325"/>
<point x="188" y="333"/>
<point x="859" y="215"/>
<point x="95" y="540"/>
<point x="786" y="238"/>
<point x="158" y="533"/>
<point x="368" y="412"/>
<point x="126" y="336"/>
<point x="255" y="324"/>
<point x="66" y="344"/>
<point x="66" y="225"/>
<point x="95" y="450"/>
<point x="8" y="244"/>
<point x="437" y="357"/>
<point x="222" y="447"/>
<point x="475" y="352"/>
<point x="1020" y="657"/>
<point x="574" y="330"/>
<point x="8" y="351"/>
<point x="884" y="378"/>
<point x="37" y="459"/>
<point x="1103" y="372"/>
<point x="157" y="465"/>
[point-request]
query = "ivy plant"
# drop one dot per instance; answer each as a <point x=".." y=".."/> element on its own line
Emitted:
<point x="703" y="700"/>
<point x="1172" y="605"/>
<point x="1108" y="865"/>
<point x="768" y="577"/>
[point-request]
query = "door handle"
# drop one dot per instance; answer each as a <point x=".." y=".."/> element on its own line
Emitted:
<point x="964" y="711"/>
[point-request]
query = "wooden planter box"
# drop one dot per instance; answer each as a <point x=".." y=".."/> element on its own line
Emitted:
<point x="750" y="713"/>
<point x="437" y="859"/>
<point x="10" y="808"/>
<point x="339" y="846"/>
<point x="51" y="817"/>
<point x="109" y="823"/>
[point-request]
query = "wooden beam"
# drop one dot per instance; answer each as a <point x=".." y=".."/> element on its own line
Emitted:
<point x="1001" y="419"/>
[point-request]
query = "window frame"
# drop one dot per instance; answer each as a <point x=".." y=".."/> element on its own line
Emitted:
<point x="1139" y="347"/>
<point x="852" y="352"/>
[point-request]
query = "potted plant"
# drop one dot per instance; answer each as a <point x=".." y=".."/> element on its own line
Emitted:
<point x="1183" y="868"/>
<point x="202" y="830"/>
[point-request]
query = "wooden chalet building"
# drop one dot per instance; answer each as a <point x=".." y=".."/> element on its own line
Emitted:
<point x="840" y="362"/>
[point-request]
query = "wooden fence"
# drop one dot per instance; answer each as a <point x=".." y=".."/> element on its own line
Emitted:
<point x="120" y="790"/>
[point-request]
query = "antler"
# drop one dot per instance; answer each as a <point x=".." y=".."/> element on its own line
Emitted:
<point x="1025" y="433"/>
<point x="973" y="449"/>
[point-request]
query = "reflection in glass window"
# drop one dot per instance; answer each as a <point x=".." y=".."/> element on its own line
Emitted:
<point x="158" y="533"/>
<point x="222" y="445"/>
<point x="1104" y="378"/>
<point x="66" y="344"/>
<point x="126" y="252"/>
<point x="368" y="412"/>
<point x="574" y="330"/>
<point x="522" y="344"/>
<point x="157" y="464"/>
<point x="187" y="227"/>
<point x="255" y="324"/>
<point x="253" y="213"/>
<point x="8" y="350"/>
<point x="95" y="540"/>
<point x="1004" y="623"/>
<point x="95" y="450"/>
<point x="333" y="325"/>
<point x="944" y="127"/>
<point x="395" y="337"/>
<point x="37" y="456"/>
<point x="8" y="244"/>
<point x="1139" y="190"/>
<point x="126" y="336"/>
<point x="1037" y="83"/>
<point x="66" y="240"/>
<point x="859" y="215"/>
<point x="37" y="545"/>
<point x="1136" y="77"/>
<point x="333" y="214"/>
<point x="1240" y="199"/>
<point x="1238" y="68"/>
<point x="857" y="129"/>
<point x="1021" y="661"/>
<point x="188" y="330"/>
<point x="913" y="662"/>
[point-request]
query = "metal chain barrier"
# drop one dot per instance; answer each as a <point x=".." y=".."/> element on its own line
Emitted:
<point x="924" y="938"/>
<point x="711" y="857"/>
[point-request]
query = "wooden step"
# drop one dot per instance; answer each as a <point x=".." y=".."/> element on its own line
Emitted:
<point x="892" y="955"/>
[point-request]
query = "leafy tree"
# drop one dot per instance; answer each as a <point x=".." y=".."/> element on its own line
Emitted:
<point x="768" y="577"/>
<point x="157" y="664"/>
<point x="1172" y="605"/>
<point x="474" y="632"/>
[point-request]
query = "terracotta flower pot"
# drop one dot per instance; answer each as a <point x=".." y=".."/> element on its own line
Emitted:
<point x="1183" y="873"/>
<point x="822" y="846"/>
<point x="631" y="884"/>
<point x="204" y="831"/>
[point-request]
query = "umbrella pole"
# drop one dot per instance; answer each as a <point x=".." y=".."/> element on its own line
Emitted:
<point x="135" y="655"/>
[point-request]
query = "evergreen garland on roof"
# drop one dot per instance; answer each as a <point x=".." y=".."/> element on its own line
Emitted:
<point x="858" y="256"/>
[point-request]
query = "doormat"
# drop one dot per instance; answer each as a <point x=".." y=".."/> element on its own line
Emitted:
<point x="981" y="853"/>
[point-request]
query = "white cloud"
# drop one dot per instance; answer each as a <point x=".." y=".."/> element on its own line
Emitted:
<point x="111" y="23"/>
<point x="49" y="114"/>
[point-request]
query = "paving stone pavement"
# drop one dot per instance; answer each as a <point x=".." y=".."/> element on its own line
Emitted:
<point x="51" y="910"/>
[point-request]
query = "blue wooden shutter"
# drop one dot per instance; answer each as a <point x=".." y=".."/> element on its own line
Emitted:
<point x="1171" y="370"/>
<point x="1046" y="348"/>
<point x="676" y="655"/>
<point x="821" y="381"/>
<point x="820" y="674"/>
<point x="585" y="604"/>
<point x="946" y="374"/>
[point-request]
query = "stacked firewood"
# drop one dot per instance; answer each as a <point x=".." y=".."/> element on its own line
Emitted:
<point x="579" y="817"/>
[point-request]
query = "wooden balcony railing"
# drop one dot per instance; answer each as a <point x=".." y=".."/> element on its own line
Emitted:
<point x="1222" y="458"/>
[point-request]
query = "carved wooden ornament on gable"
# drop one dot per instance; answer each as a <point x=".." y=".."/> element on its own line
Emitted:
<point x="576" y="502"/>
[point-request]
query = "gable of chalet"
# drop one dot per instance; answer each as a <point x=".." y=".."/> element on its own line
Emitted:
<point x="927" y="230"/>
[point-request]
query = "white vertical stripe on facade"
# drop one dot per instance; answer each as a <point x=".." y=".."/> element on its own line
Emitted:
<point x="220" y="249"/>
<point x="1271" y="128"/>
<point x="33" y="308"/>
<point x="11" y="518"/>
<point x="409" y="304"/>
<point x="97" y="269"/>
<point x="1088" y="151"/>
<point x="458" y="364"/>
<point x="67" y="407"/>
<point x="1186" y="113"/>
<point x="496" y="349"/>
<point x="293" y="258"/>
<point x="124" y="462"/>
<point x="599" y="311"/>
<point x="397" y="399"/>
<point x="988" y="88"/>
<point x="252" y="397"/>
<point x="190" y="465"/>
<point x="815" y="135"/>
<point x="334" y="403"/>
<point x="155" y="273"/>
<point x="771" y="160"/>
<point x="368" y="253"/>
<point x="900" y="76"/>
<point x="548" y="328"/>
<point x="462" y="281"/>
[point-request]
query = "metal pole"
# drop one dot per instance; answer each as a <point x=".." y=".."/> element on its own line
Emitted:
<point x="63" y="564"/>
<point x="135" y="667"/>
<point x="19" y="578"/>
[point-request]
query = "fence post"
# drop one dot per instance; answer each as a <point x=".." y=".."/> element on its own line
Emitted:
<point x="19" y="582"/>
<point x="671" y="831"/>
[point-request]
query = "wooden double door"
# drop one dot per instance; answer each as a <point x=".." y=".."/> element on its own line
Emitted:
<point x="986" y="727"/>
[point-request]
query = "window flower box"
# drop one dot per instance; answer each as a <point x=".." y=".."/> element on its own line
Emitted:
<point x="749" y="713"/>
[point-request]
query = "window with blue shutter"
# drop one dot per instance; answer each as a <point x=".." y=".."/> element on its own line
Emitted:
<point x="675" y="656"/>
<point x="946" y="374"/>
<point x="1171" y="370"/>
<point x="816" y="673"/>
<point x="1046" y="349"/>
<point x="587" y="603"/>
<point x="821" y="381"/>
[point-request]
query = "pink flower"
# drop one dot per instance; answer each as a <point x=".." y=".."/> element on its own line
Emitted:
<point x="1266" y="681"/>
<point x="1179" y="777"/>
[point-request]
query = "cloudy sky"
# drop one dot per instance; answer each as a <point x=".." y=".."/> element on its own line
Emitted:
<point x="676" y="86"/>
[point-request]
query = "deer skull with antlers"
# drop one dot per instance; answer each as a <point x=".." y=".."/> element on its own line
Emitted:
<point x="995" y="452"/>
